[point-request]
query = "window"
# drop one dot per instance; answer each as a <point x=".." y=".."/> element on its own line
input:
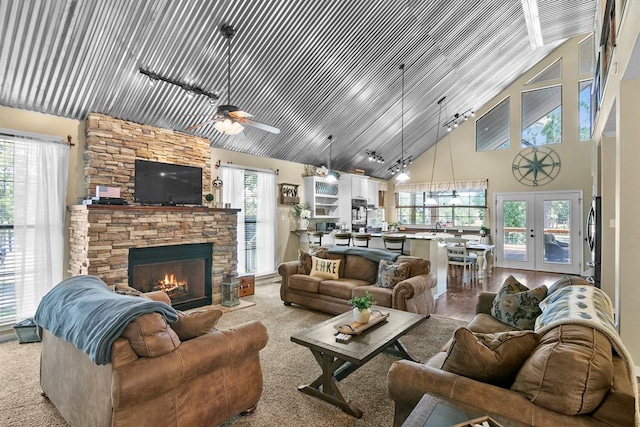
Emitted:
<point x="7" y="268"/>
<point x="410" y="209"/>
<point x="254" y="193"/>
<point x="542" y="116"/>
<point x="492" y="129"/>
<point x="584" y="109"/>
<point x="33" y="183"/>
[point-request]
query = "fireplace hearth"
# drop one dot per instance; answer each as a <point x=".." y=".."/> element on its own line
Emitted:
<point x="183" y="272"/>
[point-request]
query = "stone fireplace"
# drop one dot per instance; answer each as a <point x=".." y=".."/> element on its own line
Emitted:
<point x="183" y="272"/>
<point x="101" y="237"/>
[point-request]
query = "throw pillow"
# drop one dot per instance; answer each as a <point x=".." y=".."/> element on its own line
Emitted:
<point x="390" y="273"/>
<point x="517" y="305"/>
<point x="195" y="323"/>
<point x="490" y="358"/>
<point x="150" y="336"/>
<point x="304" y="258"/>
<point x="325" y="268"/>
<point x="571" y="370"/>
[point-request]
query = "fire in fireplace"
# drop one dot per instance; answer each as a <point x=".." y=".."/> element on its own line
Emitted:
<point x="182" y="271"/>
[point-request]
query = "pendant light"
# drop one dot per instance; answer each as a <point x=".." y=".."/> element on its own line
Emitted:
<point x="431" y="201"/>
<point x="402" y="176"/>
<point x="455" y="200"/>
<point x="330" y="176"/>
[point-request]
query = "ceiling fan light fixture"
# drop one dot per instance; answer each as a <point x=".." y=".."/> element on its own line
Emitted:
<point x="228" y="127"/>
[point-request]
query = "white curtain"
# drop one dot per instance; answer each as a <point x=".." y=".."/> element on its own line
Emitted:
<point x="266" y="226"/>
<point x="41" y="166"/>
<point x="233" y="193"/>
<point x="443" y="186"/>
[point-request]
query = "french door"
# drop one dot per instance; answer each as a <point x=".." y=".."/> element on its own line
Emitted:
<point x="539" y="231"/>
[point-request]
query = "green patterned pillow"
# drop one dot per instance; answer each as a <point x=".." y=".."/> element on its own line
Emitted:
<point x="390" y="273"/>
<point x="517" y="305"/>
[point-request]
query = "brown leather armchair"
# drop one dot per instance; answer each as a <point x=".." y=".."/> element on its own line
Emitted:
<point x="202" y="381"/>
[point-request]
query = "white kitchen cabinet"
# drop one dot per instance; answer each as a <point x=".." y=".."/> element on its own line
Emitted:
<point x="372" y="193"/>
<point x="322" y="196"/>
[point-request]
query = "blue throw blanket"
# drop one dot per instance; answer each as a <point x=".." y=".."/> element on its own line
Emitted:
<point x="83" y="311"/>
<point x="368" y="253"/>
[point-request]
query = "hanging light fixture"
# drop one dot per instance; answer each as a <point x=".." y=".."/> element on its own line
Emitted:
<point x="455" y="200"/>
<point x="402" y="176"/>
<point x="330" y="176"/>
<point x="430" y="200"/>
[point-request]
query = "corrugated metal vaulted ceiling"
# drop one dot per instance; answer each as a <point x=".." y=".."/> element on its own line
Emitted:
<point x="309" y="68"/>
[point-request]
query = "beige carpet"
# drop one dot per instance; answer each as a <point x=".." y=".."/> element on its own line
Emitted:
<point x="285" y="364"/>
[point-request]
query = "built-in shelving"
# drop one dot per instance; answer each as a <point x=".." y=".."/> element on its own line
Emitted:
<point x="322" y="196"/>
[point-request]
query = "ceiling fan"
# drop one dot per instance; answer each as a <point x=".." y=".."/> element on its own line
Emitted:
<point x="229" y="119"/>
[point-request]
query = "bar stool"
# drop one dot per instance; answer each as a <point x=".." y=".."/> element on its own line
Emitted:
<point x="361" y="239"/>
<point x="315" y="238"/>
<point x="342" y="239"/>
<point x="394" y="242"/>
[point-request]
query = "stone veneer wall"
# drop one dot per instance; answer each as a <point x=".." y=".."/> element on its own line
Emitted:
<point x="101" y="237"/>
<point x="113" y="145"/>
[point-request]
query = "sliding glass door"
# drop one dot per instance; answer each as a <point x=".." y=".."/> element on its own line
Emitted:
<point x="539" y="231"/>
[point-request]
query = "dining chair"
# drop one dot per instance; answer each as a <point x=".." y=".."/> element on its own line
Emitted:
<point x="459" y="256"/>
<point x="342" y="239"/>
<point x="394" y="242"/>
<point x="315" y="238"/>
<point x="361" y="239"/>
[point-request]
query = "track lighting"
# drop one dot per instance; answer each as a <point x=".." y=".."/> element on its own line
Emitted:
<point x="457" y="118"/>
<point x="374" y="157"/>
<point x="192" y="91"/>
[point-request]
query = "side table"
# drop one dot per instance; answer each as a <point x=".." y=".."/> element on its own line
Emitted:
<point x="433" y="411"/>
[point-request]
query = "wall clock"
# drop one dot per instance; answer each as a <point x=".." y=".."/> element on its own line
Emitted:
<point x="536" y="166"/>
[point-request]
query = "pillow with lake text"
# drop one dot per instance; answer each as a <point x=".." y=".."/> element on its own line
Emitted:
<point x="325" y="268"/>
<point x="304" y="258"/>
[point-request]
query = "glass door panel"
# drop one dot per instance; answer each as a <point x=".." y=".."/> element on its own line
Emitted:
<point x="539" y="231"/>
<point x="515" y="231"/>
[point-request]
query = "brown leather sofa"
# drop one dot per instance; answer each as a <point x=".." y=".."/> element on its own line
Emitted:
<point x="202" y="381"/>
<point x="408" y="381"/>
<point x="358" y="275"/>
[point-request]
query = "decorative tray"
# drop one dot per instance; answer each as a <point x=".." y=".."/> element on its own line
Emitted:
<point x="355" y="328"/>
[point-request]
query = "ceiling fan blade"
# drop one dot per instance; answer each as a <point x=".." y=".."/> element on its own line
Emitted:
<point x="190" y="128"/>
<point x="259" y="125"/>
<point x="239" y="114"/>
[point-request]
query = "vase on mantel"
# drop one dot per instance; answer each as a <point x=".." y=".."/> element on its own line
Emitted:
<point x="304" y="224"/>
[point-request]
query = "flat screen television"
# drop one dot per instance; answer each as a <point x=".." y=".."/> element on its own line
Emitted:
<point x="167" y="184"/>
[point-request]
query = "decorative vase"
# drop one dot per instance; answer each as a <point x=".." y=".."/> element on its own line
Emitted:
<point x="304" y="224"/>
<point x="361" y="316"/>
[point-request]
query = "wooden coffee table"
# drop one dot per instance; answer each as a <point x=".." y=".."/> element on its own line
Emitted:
<point x="339" y="360"/>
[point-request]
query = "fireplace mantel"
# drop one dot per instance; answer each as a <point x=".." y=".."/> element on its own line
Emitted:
<point x="101" y="236"/>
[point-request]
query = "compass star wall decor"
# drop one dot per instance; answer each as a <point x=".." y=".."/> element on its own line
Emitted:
<point x="535" y="166"/>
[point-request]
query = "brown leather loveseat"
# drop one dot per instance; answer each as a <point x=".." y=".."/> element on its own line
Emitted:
<point x="153" y="377"/>
<point x="359" y="271"/>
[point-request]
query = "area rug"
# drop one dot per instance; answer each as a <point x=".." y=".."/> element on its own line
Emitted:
<point x="285" y="366"/>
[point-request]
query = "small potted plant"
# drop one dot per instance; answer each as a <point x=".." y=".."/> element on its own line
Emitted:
<point x="209" y="199"/>
<point x="361" y="306"/>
